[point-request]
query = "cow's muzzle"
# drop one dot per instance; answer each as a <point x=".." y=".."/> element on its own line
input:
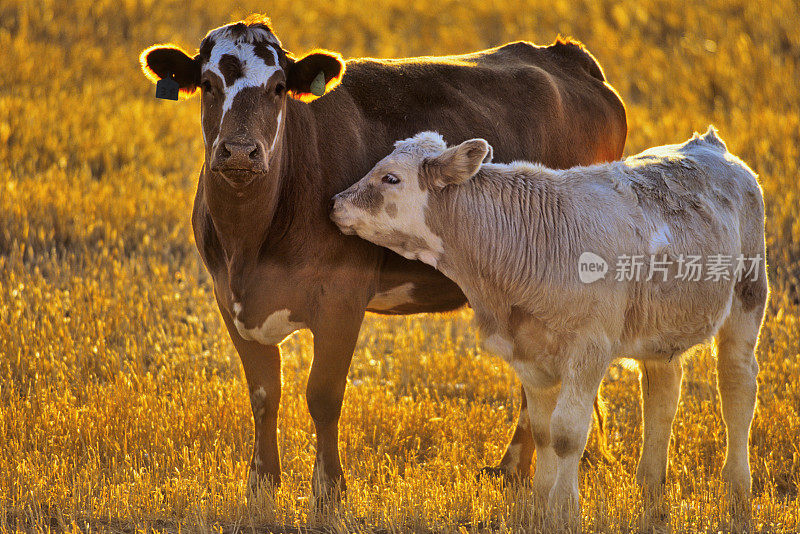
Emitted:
<point x="239" y="161"/>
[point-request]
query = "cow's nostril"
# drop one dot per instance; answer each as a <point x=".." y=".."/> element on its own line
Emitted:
<point x="331" y="204"/>
<point x="224" y="152"/>
<point x="254" y="153"/>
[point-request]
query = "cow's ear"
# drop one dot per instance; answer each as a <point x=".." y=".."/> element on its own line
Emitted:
<point x="163" y="61"/>
<point x="459" y="163"/>
<point x="314" y="75"/>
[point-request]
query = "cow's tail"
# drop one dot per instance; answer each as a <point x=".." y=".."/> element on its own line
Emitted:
<point x="600" y="416"/>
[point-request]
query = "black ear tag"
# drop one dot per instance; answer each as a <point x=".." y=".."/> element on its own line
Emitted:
<point x="167" y="88"/>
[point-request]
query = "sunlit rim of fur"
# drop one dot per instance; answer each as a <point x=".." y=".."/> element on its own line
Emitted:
<point x="428" y="142"/>
<point x="153" y="77"/>
<point x="330" y="85"/>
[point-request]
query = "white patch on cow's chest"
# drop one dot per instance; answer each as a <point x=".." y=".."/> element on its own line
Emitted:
<point x="397" y="296"/>
<point x="275" y="328"/>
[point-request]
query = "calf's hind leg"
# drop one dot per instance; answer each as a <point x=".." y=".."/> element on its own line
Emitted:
<point x="540" y="409"/>
<point x="660" y="384"/>
<point x="737" y="370"/>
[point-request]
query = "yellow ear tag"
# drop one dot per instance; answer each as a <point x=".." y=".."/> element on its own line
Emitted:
<point x="318" y="85"/>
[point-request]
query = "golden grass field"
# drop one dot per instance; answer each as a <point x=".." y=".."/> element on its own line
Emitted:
<point x="122" y="402"/>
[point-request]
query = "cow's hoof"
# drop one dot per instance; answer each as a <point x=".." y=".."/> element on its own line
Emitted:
<point x="260" y="486"/>
<point x="502" y="474"/>
<point x="327" y="498"/>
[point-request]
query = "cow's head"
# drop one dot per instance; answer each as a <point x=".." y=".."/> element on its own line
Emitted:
<point x="245" y="78"/>
<point x="389" y="206"/>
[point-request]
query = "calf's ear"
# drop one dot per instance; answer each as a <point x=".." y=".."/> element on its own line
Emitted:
<point x="164" y="61"/>
<point x="459" y="163"/>
<point x="314" y="75"/>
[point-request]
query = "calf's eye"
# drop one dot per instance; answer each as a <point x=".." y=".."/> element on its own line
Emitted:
<point x="390" y="179"/>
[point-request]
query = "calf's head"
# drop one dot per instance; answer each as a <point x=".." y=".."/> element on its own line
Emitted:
<point x="391" y="206"/>
<point x="245" y="78"/>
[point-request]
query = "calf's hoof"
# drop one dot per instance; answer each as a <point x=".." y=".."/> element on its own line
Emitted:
<point x="655" y="509"/>
<point x="563" y="517"/>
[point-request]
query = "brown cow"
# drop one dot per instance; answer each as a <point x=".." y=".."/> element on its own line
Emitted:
<point x="274" y="156"/>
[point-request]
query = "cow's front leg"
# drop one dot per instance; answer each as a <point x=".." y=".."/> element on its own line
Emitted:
<point x="335" y="335"/>
<point x="262" y="371"/>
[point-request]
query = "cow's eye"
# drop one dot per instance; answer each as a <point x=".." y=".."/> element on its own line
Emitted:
<point x="206" y="86"/>
<point x="390" y="179"/>
<point x="280" y="88"/>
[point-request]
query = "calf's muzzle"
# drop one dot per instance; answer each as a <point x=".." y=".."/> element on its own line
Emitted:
<point x="338" y="215"/>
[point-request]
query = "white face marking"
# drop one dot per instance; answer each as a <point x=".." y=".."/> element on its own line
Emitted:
<point x="277" y="132"/>
<point x="273" y="330"/>
<point x="397" y="296"/>
<point x="256" y="73"/>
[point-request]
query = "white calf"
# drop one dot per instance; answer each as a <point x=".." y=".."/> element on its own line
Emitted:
<point x="569" y="269"/>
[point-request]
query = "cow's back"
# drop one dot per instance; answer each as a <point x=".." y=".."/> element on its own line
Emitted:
<point x="549" y="104"/>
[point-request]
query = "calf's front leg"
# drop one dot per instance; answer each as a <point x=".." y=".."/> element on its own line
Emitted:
<point x="570" y="424"/>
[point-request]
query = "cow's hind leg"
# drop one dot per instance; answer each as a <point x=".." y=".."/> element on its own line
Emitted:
<point x="516" y="461"/>
<point x="737" y="370"/>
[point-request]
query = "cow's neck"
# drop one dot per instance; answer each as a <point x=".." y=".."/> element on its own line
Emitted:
<point x="266" y="216"/>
